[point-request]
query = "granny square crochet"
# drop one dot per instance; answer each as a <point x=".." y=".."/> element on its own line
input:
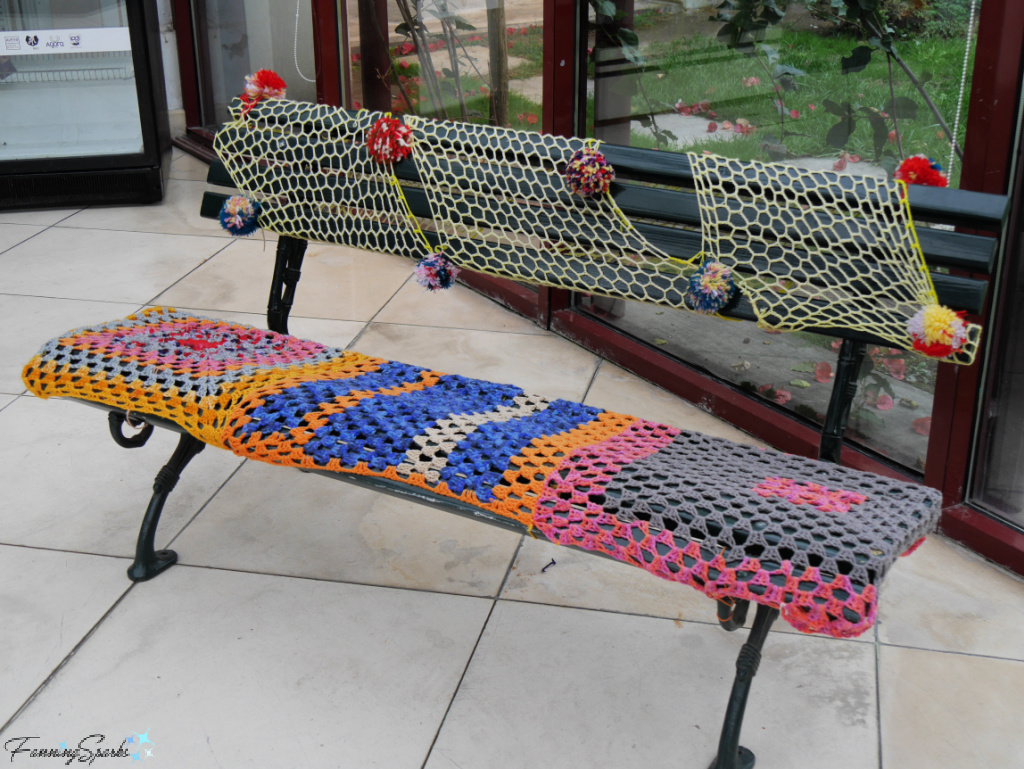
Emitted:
<point x="733" y="521"/>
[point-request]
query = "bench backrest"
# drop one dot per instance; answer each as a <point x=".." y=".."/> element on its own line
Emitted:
<point x="310" y="166"/>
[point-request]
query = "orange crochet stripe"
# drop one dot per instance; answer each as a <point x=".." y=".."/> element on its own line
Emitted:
<point x="202" y="417"/>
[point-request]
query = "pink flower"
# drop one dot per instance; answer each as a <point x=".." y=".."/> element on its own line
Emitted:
<point x="403" y="64"/>
<point x="892" y="136"/>
<point x="712" y="127"/>
<point x="531" y="119"/>
<point x="884" y="402"/>
<point x="750" y="82"/>
<point x="811" y="107"/>
<point x="854" y="158"/>
<point x="840" y="165"/>
<point x="726" y="125"/>
<point x="356" y="57"/>
<point x="702" y="106"/>
<point x="521" y="117"/>
<point x="922" y="426"/>
<point x="823" y="371"/>
<point x="357" y="105"/>
<point x="683" y="109"/>
<point x="783" y="396"/>
<point x="836" y="344"/>
<point x="764" y="388"/>
<point x="743" y="127"/>
<point x="795" y="114"/>
<point x="897" y="367"/>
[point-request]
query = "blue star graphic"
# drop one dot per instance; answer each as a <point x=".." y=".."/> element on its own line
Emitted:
<point x="144" y="738"/>
<point x="63" y="745"/>
<point x="135" y="757"/>
<point x="132" y="739"/>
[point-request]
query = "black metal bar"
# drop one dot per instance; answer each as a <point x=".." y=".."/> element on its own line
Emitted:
<point x="149" y="562"/>
<point x="851" y="355"/>
<point x="732" y="614"/>
<point x="116" y="420"/>
<point x="730" y="754"/>
<point x="287" y="271"/>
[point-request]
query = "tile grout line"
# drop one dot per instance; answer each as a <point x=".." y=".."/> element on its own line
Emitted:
<point x="472" y="654"/>
<point x="205" y="504"/>
<point x="53" y="674"/>
<point x="203" y="263"/>
<point x="878" y="694"/>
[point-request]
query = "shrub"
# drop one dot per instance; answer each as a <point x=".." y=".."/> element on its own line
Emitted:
<point x="939" y="18"/>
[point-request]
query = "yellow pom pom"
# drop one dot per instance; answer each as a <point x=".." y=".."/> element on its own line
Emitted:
<point x="938" y="323"/>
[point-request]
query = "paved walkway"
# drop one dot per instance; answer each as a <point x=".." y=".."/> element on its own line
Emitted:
<point x="314" y="624"/>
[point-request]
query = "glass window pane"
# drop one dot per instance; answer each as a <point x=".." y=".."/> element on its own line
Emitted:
<point x="465" y="60"/>
<point x="805" y="88"/>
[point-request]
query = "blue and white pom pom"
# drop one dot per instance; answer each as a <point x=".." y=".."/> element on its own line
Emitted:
<point x="436" y="271"/>
<point x="711" y="288"/>
<point x="239" y="215"/>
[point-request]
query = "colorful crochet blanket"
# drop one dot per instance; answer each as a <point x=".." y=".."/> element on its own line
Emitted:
<point x="733" y="521"/>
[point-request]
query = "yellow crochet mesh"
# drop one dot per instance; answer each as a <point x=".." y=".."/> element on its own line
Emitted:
<point x="499" y="204"/>
<point x="813" y="251"/>
<point x="307" y="165"/>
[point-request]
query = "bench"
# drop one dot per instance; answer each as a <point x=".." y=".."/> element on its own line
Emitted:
<point x="801" y="538"/>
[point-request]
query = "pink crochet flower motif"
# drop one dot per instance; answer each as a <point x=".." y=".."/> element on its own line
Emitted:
<point x="814" y="494"/>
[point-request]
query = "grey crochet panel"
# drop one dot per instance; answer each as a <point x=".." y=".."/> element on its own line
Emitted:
<point x="739" y="522"/>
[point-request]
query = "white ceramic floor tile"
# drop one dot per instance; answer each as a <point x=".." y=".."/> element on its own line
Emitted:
<point x="944" y="597"/>
<point x="559" y="688"/>
<point x="241" y="670"/>
<point x="27" y="322"/>
<point x="43" y="217"/>
<point x="616" y="389"/>
<point x="48" y="601"/>
<point x="950" y="710"/>
<point x="103" y="266"/>
<point x="458" y="307"/>
<point x="13" y="234"/>
<point x="177" y="214"/>
<point x="337" y="282"/>
<point x="188" y="167"/>
<point x="334" y="333"/>
<point x="541" y="365"/>
<point x="68" y="486"/>
<point x="282" y="521"/>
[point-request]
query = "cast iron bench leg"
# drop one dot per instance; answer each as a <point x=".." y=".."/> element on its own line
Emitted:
<point x="730" y="754"/>
<point x="148" y="562"/>
<point x="732" y="614"/>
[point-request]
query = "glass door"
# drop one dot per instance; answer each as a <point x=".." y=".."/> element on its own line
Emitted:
<point x="67" y="80"/>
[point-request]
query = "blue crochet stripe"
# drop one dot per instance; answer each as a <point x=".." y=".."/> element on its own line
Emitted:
<point x="380" y="430"/>
<point x="479" y="462"/>
<point x="286" y="410"/>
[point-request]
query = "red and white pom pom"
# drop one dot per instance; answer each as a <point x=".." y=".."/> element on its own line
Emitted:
<point x="264" y="84"/>
<point x="389" y="140"/>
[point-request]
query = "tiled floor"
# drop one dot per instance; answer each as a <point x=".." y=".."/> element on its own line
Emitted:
<point x="315" y="624"/>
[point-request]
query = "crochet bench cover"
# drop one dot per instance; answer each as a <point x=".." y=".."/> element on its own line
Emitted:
<point x="733" y="521"/>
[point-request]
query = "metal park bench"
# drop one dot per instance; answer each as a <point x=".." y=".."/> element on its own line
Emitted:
<point x="801" y="538"/>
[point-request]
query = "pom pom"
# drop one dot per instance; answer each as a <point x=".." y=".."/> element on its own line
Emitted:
<point x="389" y="140"/>
<point x="436" y="271"/>
<point x="711" y="288"/>
<point x="937" y="331"/>
<point x="588" y="173"/>
<point x="239" y="215"/>
<point x="919" y="169"/>
<point x="264" y="84"/>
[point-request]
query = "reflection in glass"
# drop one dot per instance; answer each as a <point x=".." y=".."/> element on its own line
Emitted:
<point x="470" y="60"/>
<point x="801" y="87"/>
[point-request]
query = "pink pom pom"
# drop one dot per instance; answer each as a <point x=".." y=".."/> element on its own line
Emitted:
<point x="389" y="140"/>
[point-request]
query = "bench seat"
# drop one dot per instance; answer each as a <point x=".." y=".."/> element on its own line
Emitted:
<point x="734" y="521"/>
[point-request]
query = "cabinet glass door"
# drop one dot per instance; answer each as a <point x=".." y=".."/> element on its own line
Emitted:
<point x="67" y="80"/>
